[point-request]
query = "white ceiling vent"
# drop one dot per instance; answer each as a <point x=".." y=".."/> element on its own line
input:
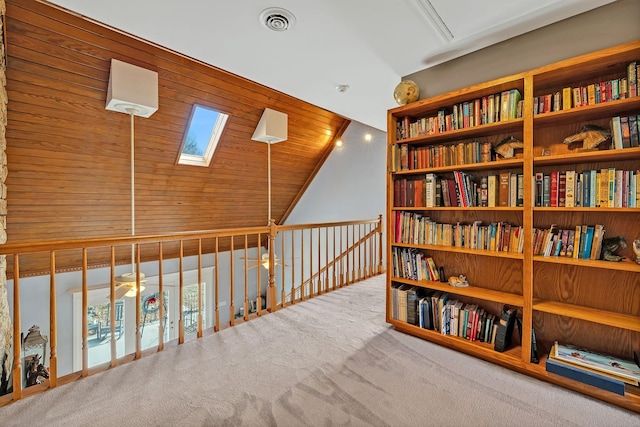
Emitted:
<point x="277" y="19"/>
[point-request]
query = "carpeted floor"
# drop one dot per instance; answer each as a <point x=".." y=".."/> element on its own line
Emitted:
<point x="328" y="361"/>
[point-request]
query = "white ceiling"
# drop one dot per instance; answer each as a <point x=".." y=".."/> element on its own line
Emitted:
<point x="366" y="44"/>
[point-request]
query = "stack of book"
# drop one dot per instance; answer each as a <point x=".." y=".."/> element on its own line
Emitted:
<point x="599" y="370"/>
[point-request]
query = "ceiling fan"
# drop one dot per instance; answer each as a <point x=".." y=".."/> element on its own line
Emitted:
<point x="125" y="286"/>
<point x="264" y="261"/>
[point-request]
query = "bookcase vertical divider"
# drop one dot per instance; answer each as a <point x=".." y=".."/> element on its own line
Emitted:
<point x="527" y="220"/>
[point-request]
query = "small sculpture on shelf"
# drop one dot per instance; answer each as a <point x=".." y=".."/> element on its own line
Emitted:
<point x="590" y="135"/>
<point x="506" y="148"/>
<point x="459" y="281"/>
<point x="610" y="245"/>
<point x="636" y="249"/>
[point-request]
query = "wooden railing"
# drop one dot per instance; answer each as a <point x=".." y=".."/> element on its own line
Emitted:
<point x="301" y="260"/>
<point x="358" y="253"/>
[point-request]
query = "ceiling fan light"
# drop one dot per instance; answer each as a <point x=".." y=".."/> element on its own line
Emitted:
<point x="129" y="278"/>
<point x="131" y="293"/>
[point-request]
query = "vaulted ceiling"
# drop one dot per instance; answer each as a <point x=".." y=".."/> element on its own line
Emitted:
<point x="365" y="44"/>
<point x="69" y="158"/>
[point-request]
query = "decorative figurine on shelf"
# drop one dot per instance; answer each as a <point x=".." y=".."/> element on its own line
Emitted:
<point x="610" y="245"/>
<point x="459" y="281"/>
<point x="506" y="147"/>
<point x="590" y="135"/>
<point x="35" y="370"/>
<point x="405" y="92"/>
<point x="636" y="249"/>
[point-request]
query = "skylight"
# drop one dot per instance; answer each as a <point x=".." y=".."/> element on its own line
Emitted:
<point x="202" y="135"/>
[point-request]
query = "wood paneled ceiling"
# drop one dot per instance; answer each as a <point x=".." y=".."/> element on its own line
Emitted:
<point x="68" y="157"/>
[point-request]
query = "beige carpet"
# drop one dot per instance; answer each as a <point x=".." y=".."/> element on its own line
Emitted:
<point x="329" y="361"/>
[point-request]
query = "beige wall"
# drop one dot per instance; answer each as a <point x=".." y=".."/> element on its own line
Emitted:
<point x="610" y="25"/>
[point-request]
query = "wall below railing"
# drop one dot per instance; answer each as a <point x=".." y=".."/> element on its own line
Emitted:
<point x="89" y="325"/>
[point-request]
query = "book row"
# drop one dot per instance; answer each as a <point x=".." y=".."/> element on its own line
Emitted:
<point x="436" y="311"/>
<point x="411" y="157"/>
<point x="499" y="107"/>
<point x="583" y="242"/>
<point x="431" y="190"/>
<point x="414" y="228"/>
<point x="409" y="263"/>
<point x="625" y="131"/>
<point x="610" y="187"/>
<point x="591" y="94"/>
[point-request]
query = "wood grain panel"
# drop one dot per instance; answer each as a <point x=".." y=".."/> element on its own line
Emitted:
<point x="491" y="273"/>
<point x="611" y="290"/>
<point x="550" y="328"/>
<point x="69" y="157"/>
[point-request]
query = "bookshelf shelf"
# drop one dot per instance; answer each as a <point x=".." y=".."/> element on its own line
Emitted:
<point x="470" y="291"/>
<point x="497" y="165"/>
<point x="590" y="156"/>
<point x="587" y="209"/>
<point x="506" y="126"/>
<point x="629" y="401"/>
<point x="465" y="209"/>
<point x="588" y="112"/>
<point x="589" y="303"/>
<point x="479" y="349"/>
<point x="618" y="320"/>
<point x="603" y="265"/>
<point x="425" y="107"/>
<point x="467" y="251"/>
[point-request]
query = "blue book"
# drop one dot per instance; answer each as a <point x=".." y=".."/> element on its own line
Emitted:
<point x="584" y="376"/>
<point x="586" y="254"/>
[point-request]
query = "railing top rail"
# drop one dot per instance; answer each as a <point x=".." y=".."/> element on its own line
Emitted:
<point x="288" y="227"/>
<point x="59" y="245"/>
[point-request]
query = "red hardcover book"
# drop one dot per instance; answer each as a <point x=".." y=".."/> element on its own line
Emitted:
<point x="418" y="187"/>
<point x="453" y="197"/>
<point x="396" y="193"/>
<point x="506" y="237"/>
<point x="403" y="193"/>
<point x="410" y="190"/>
<point x="503" y="191"/>
<point x="603" y="92"/>
<point x="554" y="188"/>
<point x="406" y="125"/>
<point x="562" y="188"/>
<point x="457" y="175"/>
<point x="446" y="199"/>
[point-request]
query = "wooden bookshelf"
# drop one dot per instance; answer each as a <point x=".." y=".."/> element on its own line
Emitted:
<point x="590" y="303"/>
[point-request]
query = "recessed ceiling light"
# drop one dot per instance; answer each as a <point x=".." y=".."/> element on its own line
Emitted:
<point x="277" y="19"/>
<point x="368" y="136"/>
<point x="342" y="88"/>
<point x="339" y="143"/>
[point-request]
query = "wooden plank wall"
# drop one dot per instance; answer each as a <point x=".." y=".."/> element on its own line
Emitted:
<point x="69" y="168"/>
